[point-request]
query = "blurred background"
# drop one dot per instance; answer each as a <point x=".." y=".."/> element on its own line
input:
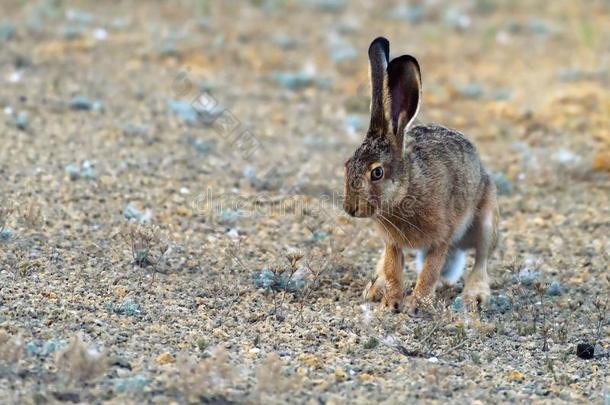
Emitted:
<point x="142" y="110"/>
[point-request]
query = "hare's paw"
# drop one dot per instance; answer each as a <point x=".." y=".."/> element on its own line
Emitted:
<point x="393" y="300"/>
<point x="419" y="307"/>
<point x="374" y="290"/>
<point x="476" y="293"/>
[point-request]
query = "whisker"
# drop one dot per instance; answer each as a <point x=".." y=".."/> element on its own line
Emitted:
<point x="401" y="233"/>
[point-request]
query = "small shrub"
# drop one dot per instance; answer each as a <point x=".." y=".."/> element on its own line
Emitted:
<point x="145" y="243"/>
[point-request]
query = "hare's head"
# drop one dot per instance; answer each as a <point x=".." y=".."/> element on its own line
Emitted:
<point x="376" y="173"/>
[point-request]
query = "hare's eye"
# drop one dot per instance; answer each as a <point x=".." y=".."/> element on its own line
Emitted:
<point x="377" y="173"/>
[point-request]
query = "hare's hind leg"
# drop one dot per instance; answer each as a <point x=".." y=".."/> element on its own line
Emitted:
<point x="484" y="233"/>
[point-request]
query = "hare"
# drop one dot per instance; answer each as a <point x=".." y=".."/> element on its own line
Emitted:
<point x="424" y="187"/>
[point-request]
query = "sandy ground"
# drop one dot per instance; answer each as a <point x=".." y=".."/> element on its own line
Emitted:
<point x="192" y="301"/>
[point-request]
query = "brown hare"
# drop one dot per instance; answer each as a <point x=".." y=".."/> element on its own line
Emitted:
<point x="424" y="187"/>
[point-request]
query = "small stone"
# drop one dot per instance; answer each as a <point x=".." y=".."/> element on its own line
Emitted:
<point x="205" y="147"/>
<point x="129" y="308"/>
<point x="135" y="383"/>
<point x="319" y="235"/>
<point x="134" y="130"/>
<point x="165" y="358"/>
<point x="100" y="34"/>
<point x="184" y="110"/>
<point x="500" y="303"/>
<point x="83" y="103"/>
<point x="555" y="289"/>
<point x="86" y="171"/>
<point x="32" y="348"/>
<point x="601" y="161"/>
<point x="516" y="375"/>
<point x="73" y="172"/>
<point x="458" y="304"/>
<point x="309" y="359"/>
<point x="366" y="377"/>
<point x="433" y="359"/>
<point x="6" y="234"/>
<point x="565" y="157"/>
<point x="340" y="374"/>
<point x="585" y="351"/>
<point x="527" y="276"/>
<point x="22" y="120"/>
<point x="133" y="212"/>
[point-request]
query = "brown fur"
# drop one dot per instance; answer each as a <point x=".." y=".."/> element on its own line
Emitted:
<point x="435" y="194"/>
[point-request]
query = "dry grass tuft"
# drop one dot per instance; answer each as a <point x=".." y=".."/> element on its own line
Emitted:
<point x="81" y="362"/>
<point x="145" y="242"/>
<point x="209" y="378"/>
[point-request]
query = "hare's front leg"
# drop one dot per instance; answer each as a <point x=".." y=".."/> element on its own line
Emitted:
<point x="375" y="288"/>
<point x="391" y="267"/>
<point x="423" y="293"/>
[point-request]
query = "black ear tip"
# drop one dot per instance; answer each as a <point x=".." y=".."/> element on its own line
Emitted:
<point x="404" y="60"/>
<point x="380" y="43"/>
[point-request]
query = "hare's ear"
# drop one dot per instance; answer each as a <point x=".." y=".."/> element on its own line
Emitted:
<point x="379" y="54"/>
<point x="404" y="82"/>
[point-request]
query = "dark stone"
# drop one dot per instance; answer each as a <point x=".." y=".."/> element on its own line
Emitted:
<point x="585" y="350"/>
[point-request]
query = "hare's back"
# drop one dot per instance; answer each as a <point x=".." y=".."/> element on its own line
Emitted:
<point x="436" y="144"/>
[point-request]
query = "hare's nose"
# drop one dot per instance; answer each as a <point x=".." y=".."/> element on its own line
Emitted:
<point x="349" y="209"/>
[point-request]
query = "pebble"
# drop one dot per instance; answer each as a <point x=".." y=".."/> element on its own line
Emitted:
<point x="73" y="172"/>
<point x="205" y="147"/>
<point x="135" y="383"/>
<point x="133" y="212"/>
<point x="129" y="307"/>
<point x="517" y="375"/>
<point x="555" y="289"/>
<point x="85" y="171"/>
<point x="267" y="280"/>
<point x="184" y="110"/>
<point x="6" y="234"/>
<point x="165" y="358"/>
<point x="585" y="351"/>
<point x="565" y="157"/>
<point x="22" y="120"/>
<point x="83" y="103"/>
<point x="500" y="303"/>
<point x="134" y="130"/>
<point x="526" y="276"/>
<point x="340" y="374"/>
